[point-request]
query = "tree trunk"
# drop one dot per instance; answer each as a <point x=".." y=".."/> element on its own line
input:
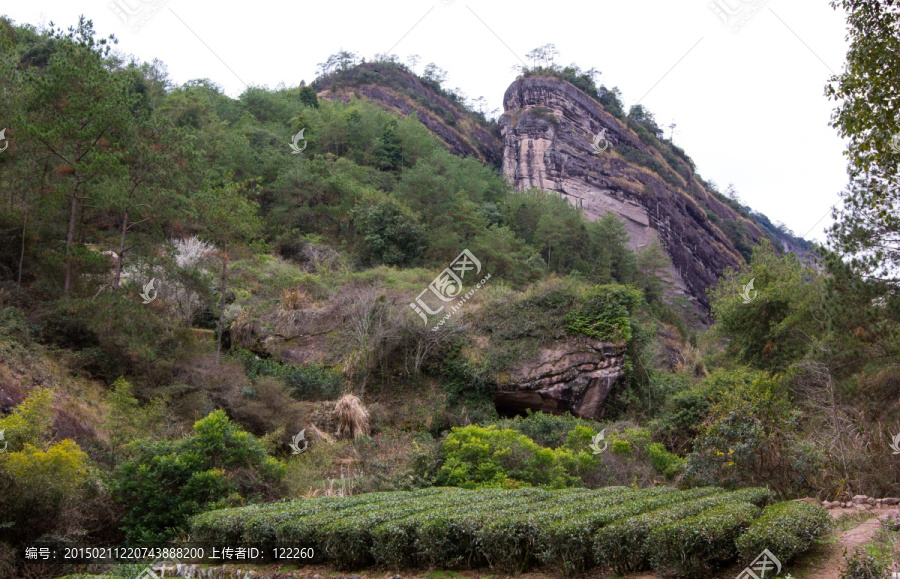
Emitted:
<point x="121" y="254"/>
<point x="22" y="252"/>
<point x="221" y="304"/>
<point x="837" y="431"/>
<point x="70" y="240"/>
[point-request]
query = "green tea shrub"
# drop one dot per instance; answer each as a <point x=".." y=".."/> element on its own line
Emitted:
<point x="862" y="565"/>
<point x="623" y="546"/>
<point x="694" y="546"/>
<point x="566" y="542"/>
<point x="786" y="529"/>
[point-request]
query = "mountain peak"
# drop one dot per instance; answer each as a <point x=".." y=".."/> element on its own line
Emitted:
<point x="548" y="129"/>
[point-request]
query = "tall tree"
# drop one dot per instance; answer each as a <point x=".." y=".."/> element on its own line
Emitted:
<point x="228" y="218"/>
<point x="75" y="109"/>
<point x="147" y="190"/>
<point x="868" y="91"/>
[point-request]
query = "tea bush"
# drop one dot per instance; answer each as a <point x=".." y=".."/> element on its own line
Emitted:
<point x="785" y="529"/>
<point x="623" y="545"/>
<point x="686" y="532"/>
<point x="692" y="547"/>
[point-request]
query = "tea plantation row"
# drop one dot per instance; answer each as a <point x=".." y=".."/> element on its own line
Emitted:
<point x="687" y="533"/>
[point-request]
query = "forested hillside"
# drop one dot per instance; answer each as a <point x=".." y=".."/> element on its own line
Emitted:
<point x="213" y="303"/>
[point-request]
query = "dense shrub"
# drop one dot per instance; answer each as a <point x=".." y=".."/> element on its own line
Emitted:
<point x="863" y="565"/>
<point x="786" y="529"/>
<point x="309" y="382"/>
<point x="218" y="464"/>
<point x="546" y="429"/>
<point x="605" y="313"/>
<point x="693" y="547"/>
<point x="45" y="486"/>
<point x="41" y="491"/>
<point x="390" y="232"/>
<point x="664" y="461"/>
<point x="751" y="438"/>
<point x="479" y="457"/>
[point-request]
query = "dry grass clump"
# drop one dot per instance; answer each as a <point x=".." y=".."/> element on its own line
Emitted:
<point x="353" y="418"/>
<point x="294" y="299"/>
<point x="244" y="330"/>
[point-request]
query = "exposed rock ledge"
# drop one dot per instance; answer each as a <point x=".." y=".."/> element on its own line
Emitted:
<point x="576" y="375"/>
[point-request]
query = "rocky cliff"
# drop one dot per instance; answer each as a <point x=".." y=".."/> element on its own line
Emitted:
<point x="575" y="375"/>
<point x="548" y="129"/>
<point x="399" y="91"/>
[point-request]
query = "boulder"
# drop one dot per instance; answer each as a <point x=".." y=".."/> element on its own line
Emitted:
<point x="859" y="499"/>
<point x="573" y="374"/>
<point x="891" y="501"/>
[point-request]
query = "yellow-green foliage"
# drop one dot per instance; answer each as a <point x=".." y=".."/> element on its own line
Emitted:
<point x="30" y="421"/>
<point x="55" y="473"/>
<point x="485" y="457"/>
<point x="43" y="483"/>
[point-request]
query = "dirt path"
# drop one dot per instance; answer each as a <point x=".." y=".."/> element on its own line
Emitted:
<point x="826" y="561"/>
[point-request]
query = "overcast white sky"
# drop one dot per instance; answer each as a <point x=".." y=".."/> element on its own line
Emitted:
<point x="749" y="104"/>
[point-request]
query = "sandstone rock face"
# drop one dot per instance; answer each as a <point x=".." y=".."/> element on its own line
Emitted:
<point x="403" y="93"/>
<point x="547" y="132"/>
<point x="575" y="374"/>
